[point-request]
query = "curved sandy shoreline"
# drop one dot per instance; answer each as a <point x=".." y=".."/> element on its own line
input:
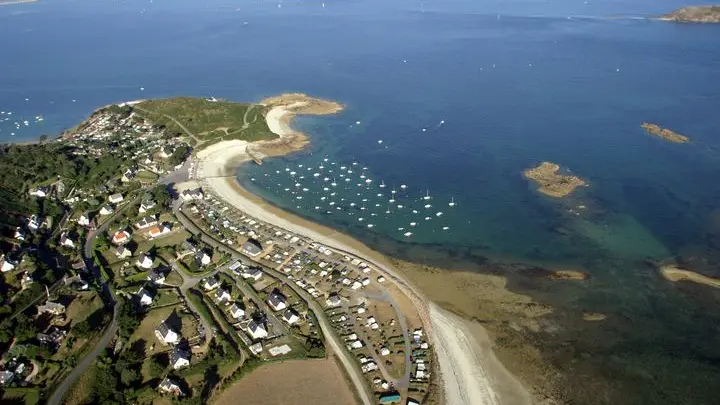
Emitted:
<point x="470" y="372"/>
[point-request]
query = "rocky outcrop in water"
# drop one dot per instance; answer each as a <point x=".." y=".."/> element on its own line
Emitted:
<point x="695" y="14"/>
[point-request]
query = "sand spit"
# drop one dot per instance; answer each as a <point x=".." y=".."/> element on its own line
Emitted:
<point x="676" y="274"/>
<point x="551" y="182"/>
<point x="593" y="316"/>
<point x="664" y="133"/>
<point x="283" y="109"/>
<point x="467" y="379"/>
<point x="568" y="275"/>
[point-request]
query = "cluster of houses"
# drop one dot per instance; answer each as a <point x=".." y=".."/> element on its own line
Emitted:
<point x="180" y="353"/>
<point x="189" y="248"/>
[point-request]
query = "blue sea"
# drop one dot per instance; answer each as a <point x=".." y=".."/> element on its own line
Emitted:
<point x="453" y="99"/>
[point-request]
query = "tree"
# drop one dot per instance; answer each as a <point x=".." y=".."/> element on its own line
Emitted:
<point x="25" y="329"/>
<point x="128" y="318"/>
<point x="106" y="383"/>
<point x="161" y="195"/>
<point x="156" y="367"/>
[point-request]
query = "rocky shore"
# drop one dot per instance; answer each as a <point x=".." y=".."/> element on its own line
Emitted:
<point x="694" y="14"/>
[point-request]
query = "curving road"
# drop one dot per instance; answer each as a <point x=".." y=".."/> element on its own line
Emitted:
<point x="332" y="339"/>
<point x="60" y="391"/>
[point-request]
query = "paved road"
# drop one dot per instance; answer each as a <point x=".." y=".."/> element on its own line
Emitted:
<point x="331" y="338"/>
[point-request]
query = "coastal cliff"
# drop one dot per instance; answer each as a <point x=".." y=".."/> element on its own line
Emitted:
<point x="694" y="14"/>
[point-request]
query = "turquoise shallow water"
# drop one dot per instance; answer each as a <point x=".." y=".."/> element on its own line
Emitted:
<point x="498" y="87"/>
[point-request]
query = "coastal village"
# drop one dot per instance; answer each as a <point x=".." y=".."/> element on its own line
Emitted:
<point x="151" y="287"/>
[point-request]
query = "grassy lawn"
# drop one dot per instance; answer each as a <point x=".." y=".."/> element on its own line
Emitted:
<point x="146" y="177"/>
<point x="146" y="330"/>
<point x="166" y="296"/>
<point x="175" y="238"/>
<point x="173" y="278"/>
<point x="211" y="120"/>
<point x="83" y="305"/>
<point x="27" y="396"/>
<point x="143" y="275"/>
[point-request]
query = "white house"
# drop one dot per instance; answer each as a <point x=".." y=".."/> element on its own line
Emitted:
<point x="7" y="264"/>
<point x="157" y="277"/>
<point x="166" y="151"/>
<point x="168" y="386"/>
<point x="333" y="300"/>
<point x="40" y="192"/>
<point x="203" y="258"/>
<point x="129" y="175"/>
<point x="257" y="330"/>
<point x="158" y="231"/>
<point x="115" y="198"/>
<point x="189" y="195"/>
<point x="146" y="222"/>
<point x="277" y="301"/>
<point x="122" y="252"/>
<point x="83" y="220"/>
<point x="253" y="273"/>
<point x="66" y="241"/>
<point x="179" y="358"/>
<point x="34" y="223"/>
<point x="222" y="295"/>
<point x="107" y="209"/>
<point x="165" y="334"/>
<point x="211" y="283"/>
<point x="144" y="261"/>
<point x="146" y="206"/>
<point x="252" y="247"/>
<point x="384" y="351"/>
<point x="290" y="316"/>
<point x="19" y="234"/>
<point x="236" y="311"/>
<point x="145" y="297"/>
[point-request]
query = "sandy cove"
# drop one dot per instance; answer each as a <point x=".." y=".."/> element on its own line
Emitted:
<point x="470" y="372"/>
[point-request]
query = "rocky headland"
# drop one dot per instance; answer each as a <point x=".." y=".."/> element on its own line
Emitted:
<point x="694" y="14"/>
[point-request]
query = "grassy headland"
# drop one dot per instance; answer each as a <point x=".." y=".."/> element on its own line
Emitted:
<point x="209" y="120"/>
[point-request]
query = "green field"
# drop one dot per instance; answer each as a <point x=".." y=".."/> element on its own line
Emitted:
<point x="26" y="396"/>
<point x="209" y="120"/>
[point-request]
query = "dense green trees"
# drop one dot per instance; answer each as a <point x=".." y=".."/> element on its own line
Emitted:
<point x="161" y="195"/>
<point x="128" y="318"/>
<point x="24" y="166"/>
<point x="179" y="155"/>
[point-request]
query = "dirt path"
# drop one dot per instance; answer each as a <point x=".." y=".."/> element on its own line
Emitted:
<point x="171" y="118"/>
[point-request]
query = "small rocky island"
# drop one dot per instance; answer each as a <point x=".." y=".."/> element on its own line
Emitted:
<point x="695" y="14"/>
<point x="667" y="134"/>
<point x="551" y="182"/>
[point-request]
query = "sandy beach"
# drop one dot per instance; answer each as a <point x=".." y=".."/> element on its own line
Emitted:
<point x="470" y="372"/>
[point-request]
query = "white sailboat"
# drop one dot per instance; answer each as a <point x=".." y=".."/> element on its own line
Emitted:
<point x="452" y="202"/>
<point x="427" y="195"/>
